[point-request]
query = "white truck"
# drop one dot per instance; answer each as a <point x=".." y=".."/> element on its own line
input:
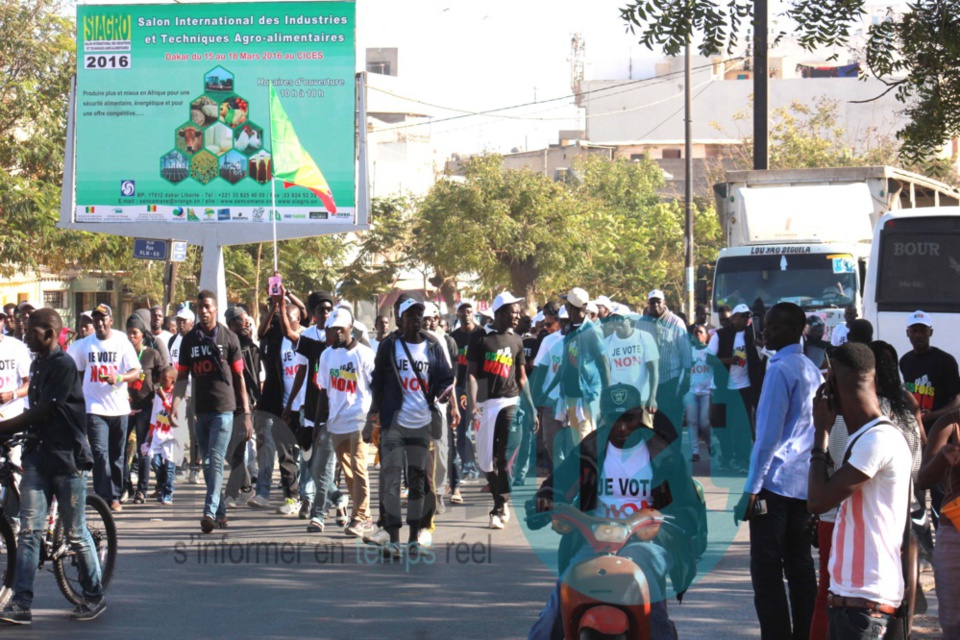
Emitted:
<point x="804" y="235"/>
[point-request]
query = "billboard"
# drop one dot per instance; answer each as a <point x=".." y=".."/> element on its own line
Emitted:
<point x="172" y="118"/>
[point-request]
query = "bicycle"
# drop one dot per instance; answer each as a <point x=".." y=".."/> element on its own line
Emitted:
<point x="54" y="547"/>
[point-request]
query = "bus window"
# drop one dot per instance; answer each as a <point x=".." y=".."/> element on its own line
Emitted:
<point x="919" y="265"/>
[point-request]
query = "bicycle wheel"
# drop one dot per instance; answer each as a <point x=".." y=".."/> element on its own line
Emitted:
<point x="8" y="560"/>
<point x="66" y="566"/>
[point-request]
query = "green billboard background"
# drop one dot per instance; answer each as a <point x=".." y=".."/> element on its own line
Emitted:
<point x="172" y="119"/>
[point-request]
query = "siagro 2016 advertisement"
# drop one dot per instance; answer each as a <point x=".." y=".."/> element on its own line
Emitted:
<point x="173" y="120"/>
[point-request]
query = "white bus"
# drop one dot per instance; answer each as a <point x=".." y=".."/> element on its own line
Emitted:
<point x="915" y="264"/>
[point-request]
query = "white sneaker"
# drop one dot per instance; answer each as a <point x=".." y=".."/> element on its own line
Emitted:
<point x="290" y="507"/>
<point x="231" y="503"/>
<point x="505" y="514"/>
<point x="258" y="502"/>
<point x="342" y="503"/>
<point x="495" y="521"/>
<point x="194" y="477"/>
<point x="380" y="537"/>
<point x="425" y="538"/>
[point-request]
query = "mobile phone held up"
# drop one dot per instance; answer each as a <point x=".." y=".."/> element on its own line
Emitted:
<point x="273" y="284"/>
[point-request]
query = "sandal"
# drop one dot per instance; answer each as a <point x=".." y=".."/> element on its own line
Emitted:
<point x="456" y="498"/>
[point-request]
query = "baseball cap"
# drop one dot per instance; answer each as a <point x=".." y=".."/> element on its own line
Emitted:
<point x="233" y="313"/>
<point x="504" y="298"/>
<point x="919" y="317"/>
<point x="617" y="399"/>
<point x="740" y="308"/>
<point x="316" y="297"/>
<point x="464" y="303"/>
<point x="431" y="310"/>
<point x="604" y="301"/>
<point x="188" y="315"/>
<point x="408" y="304"/>
<point x="87" y="314"/>
<point x="341" y="317"/>
<point x="486" y="313"/>
<point x="563" y="315"/>
<point x="577" y="297"/>
<point x="592" y="308"/>
<point x="103" y="310"/>
<point x="619" y="309"/>
<point x="538" y="318"/>
<point x="33" y="305"/>
<point x="656" y="293"/>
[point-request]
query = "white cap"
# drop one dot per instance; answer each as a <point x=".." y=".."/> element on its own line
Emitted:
<point x="656" y="293"/>
<point x="359" y="326"/>
<point x="563" y="315"/>
<point x="409" y="303"/>
<point x="538" y="318"/>
<point x="619" y="309"/>
<point x="486" y="313"/>
<point x="504" y="298"/>
<point x="29" y="303"/>
<point x="186" y="314"/>
<point x="919" y="317"/>
<point x="604" y="301"/>
<point x="431" y="310"/>
<point x="740" y="308"/>
<point x="577" y="297"/>
<point x="592" y="307"/>
<point x="341" y="317"/>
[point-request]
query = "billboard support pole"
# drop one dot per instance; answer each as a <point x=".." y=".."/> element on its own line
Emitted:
<point x="212" y="274"/>
<point x="67" y="207"/>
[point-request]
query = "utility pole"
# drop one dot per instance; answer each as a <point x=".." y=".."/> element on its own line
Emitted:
<point x="761" y="81"/>
<point x="688" y="180"/>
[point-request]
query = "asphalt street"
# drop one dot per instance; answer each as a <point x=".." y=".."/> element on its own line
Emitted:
<point x="266" y="577"/>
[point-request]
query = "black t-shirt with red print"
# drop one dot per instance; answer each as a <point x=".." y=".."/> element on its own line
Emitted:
<point x="212" y="369"/>
<point x="497" y="356"/>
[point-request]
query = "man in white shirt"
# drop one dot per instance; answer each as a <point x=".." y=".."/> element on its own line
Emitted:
<point x="106" y="362"/>
<point x="633" y="358"/>
<point x="346" y="368"/>
<point x="872" y="487"/>
<point x="840" y="333"/>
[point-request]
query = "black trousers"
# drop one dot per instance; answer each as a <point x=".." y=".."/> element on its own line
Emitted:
<point x="780" y="546"/>
<point x="499" y="478"/>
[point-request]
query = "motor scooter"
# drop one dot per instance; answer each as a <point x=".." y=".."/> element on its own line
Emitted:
<point x="604" y="597"/>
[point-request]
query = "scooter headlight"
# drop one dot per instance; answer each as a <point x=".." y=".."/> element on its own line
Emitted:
<point x="611" y="532"/>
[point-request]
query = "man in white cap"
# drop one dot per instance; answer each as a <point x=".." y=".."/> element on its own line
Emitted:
<point x="734" y="346"/>
<point x="106" y="362"/>
<point x="185" y="321"/>
<point x="931" y="375"/>
<point x="346" y="369"/>
<point x="495" y="360"/>
<point x="584" y="371"/>
<point x="410" y="375"/>
<point x="670" y="333"/>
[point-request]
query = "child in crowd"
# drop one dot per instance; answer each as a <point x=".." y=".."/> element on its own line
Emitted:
<point x="162" y="446"/>
<point x="697" y="400"/>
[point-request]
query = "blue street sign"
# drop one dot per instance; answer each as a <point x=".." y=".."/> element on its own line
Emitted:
<point x="179" y="251"/>
<point x="147" y="249"/>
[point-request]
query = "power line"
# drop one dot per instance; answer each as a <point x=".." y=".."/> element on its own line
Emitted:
<point x="632" y="85"/>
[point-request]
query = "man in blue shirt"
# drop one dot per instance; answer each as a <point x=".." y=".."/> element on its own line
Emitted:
<point x="775" y="495"/>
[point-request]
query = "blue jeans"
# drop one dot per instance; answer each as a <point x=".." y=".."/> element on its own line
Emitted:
<point x="166" y="472"/>
<point x="323" y="465"/>
<point x="213" y="435"/>
<point x="36" y="491"/>
<point x="108" y="441"/>
<point x="655" y="563"/>
<point x="856" y="624"/>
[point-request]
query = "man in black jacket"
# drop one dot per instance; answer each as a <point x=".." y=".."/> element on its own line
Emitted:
<point x="593" y="479"/>
<point x="410" y="375"/>
<point x="239" y="481"/>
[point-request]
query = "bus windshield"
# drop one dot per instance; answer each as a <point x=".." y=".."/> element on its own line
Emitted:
<point x="813" y="281"/>
<point x="919" y="266"/>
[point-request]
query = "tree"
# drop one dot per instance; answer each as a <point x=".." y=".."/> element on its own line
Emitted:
<point x="383" y="252"/>
<point x="636" y="238"/>
<point x="510" y="227"/>
<point x="809" y="135"/>
<point x="913" y="53"/>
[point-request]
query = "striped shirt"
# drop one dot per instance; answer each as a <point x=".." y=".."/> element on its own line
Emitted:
<point x="670" y="334"/>
<point x="865" y="553"/>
